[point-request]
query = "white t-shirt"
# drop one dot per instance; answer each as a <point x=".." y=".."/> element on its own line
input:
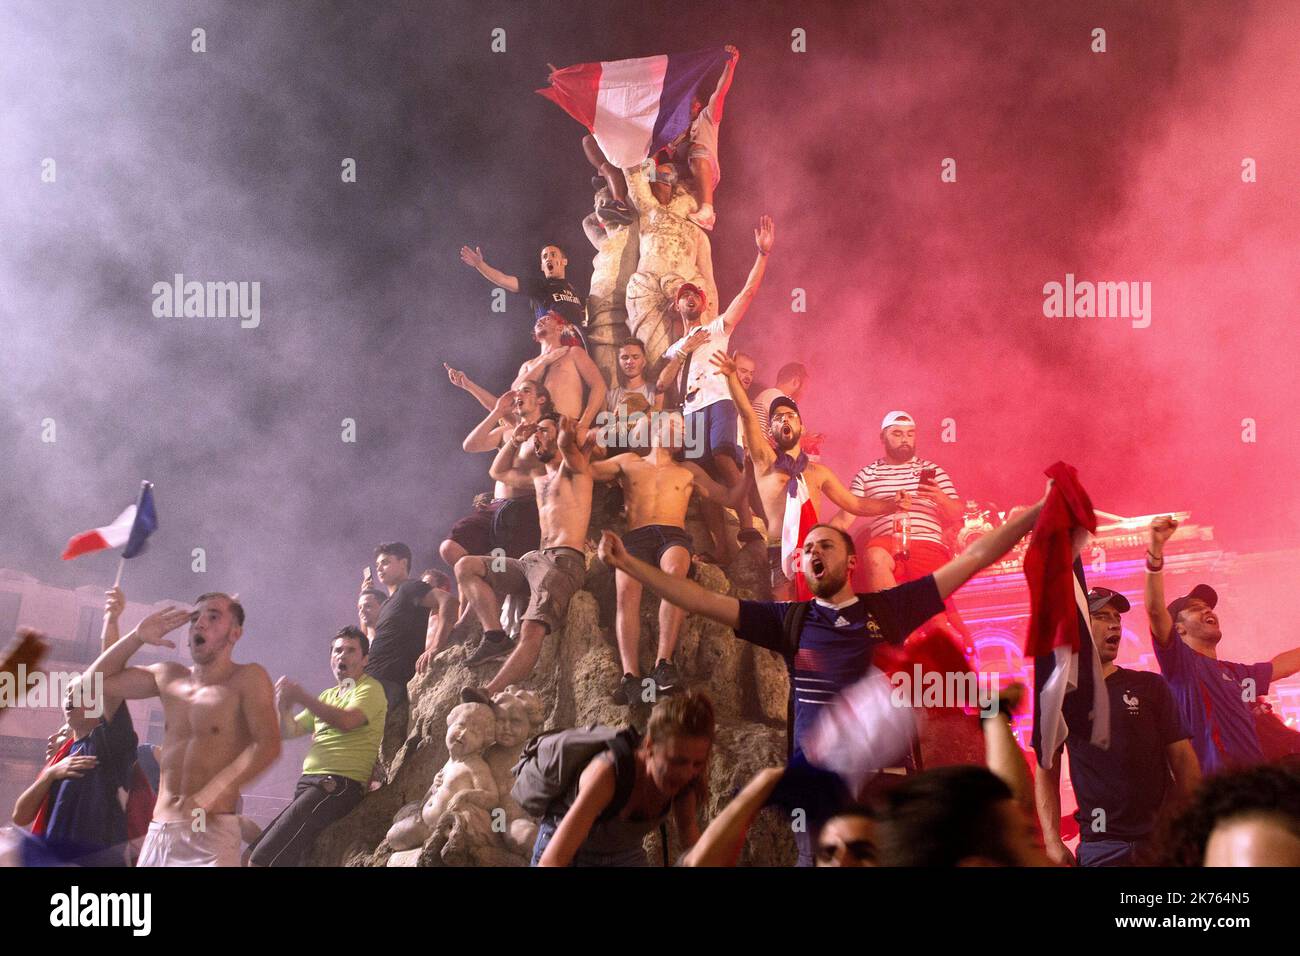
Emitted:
<point x="704" y="385"/>
<point x="882" y="478"/>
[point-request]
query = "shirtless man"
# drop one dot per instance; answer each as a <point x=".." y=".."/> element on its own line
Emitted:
<point x="564" y="370"/>
<point x="509" y="520"/>
<point x="221" y="729"/>
<point x="657" y="489"/>
<point x="551" y="574"/>
<point x="785" y="477"/>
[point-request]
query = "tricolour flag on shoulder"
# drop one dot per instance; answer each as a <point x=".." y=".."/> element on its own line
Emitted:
<point x="634" y="107"/>
<point x="1069" y="691"/>
<point x="131" y="528"/>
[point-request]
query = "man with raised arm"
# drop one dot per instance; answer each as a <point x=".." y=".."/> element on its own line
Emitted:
<point x="789" y="484"/>
<point x="710" y="410"/>
<point x="508" y="519"/>
<point x="1214" y="696"/>
<point x="549" y="291"/>
<point x="220" y="732"/>
<point x="840" y="630"/>
<point x="551" y="575"/>
<point x="657" y="489"/>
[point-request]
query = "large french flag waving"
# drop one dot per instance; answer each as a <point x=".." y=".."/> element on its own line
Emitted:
<point x="634" y="107"/>
<point x="131" y="528"/>
<point x="1069" y="691"/>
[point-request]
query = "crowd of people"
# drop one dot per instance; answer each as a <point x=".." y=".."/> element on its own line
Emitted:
<point x="1185" y="777"/>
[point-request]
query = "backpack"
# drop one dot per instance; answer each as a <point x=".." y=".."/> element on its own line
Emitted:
<point x="546" y="776"/>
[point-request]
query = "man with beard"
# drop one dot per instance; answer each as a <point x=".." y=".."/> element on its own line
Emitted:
<point x="1214" y="696"/>
<point x="551" y="575"/>
<point x="840" y="630"/>
<point x="1149" y="760"/>
<point x="789" y="484"/>
<point x="220" y="729"/>
<point x="709" y="409"/>
<point x="887" y="558"/>
<point x="346" y="723"/>
<point x="565" y="370"/>
<point x="657" y="489"/>
<point x="507" y="520"/>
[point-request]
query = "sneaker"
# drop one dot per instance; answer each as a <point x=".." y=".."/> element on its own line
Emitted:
<point x="598" y="183"/>
<point x="629" y="690"/>
<point x="704" y="217"/>
<point x="489" y="650"/>
<point x="475" y="695"/>
<point x="616" y="213"/>
<point x="666" y="677"/>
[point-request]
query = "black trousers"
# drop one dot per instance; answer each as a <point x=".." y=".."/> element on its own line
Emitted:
<point x="318" y="800"/>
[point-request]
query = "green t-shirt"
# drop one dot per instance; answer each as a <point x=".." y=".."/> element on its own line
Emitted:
<point x="349" y="753"/>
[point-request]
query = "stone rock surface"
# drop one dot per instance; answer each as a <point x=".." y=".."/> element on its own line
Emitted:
<point x="574" y="677"/>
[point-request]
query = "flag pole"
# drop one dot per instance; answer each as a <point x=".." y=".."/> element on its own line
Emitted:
<point x="121" y="561"/>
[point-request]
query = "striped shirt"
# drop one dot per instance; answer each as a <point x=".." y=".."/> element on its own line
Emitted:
<point x="882" y="478"/>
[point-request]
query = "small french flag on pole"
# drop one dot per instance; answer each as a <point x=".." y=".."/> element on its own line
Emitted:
<point x="634" y="107"/>
<point x="131" y="528"/>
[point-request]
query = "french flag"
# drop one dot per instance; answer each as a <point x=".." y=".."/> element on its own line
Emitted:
<point x="799" y="518"/>
<point x="634" y="107"/>
<point x="131" y="528"/>
<point x="1069" y="691"/>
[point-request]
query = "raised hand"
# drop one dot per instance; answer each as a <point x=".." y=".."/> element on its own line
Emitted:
<point x="505" y="404"/>
<point x="114" y="603"/>
<point x="611" y="550"/>
<point x="1162" y="529"/>
<point x="471" y="257"/>
<point x="154" y="628"/>
<point x="725" y="364"/>
<point x="523" y="431"/>
<point x="732" y="51"/>
<point x="457" y="377"/>
<point x="765" y="234"/>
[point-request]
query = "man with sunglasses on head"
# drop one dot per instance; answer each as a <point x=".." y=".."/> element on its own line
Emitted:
<point x="1216" y="697"/>
<point x="1121" y="789"/>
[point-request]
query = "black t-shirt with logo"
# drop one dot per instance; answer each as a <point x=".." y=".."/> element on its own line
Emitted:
<point x="399" y="633"/>
<point x="1128" y="781"/>
<point x="553" y="293"/>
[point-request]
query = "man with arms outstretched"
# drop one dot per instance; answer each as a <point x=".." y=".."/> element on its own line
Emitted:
<point x="220" y="732"/>
<point x="840" y="631"/>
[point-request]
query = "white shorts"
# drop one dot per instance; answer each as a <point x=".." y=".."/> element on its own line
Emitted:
<point x="180" y="844"/>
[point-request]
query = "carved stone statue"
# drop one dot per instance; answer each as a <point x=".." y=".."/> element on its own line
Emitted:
<point x="519" y="717"/>
<point x="671" y="250"/>
<point x="616" y="248"/>
<point x="471" y="729"/>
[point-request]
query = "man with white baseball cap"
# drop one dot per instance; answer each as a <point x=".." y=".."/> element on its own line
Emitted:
<point x="902" y="548"/>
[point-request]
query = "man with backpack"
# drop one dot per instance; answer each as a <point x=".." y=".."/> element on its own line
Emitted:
<point x="828" y="643"/>
<point x="601" y="791"/>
